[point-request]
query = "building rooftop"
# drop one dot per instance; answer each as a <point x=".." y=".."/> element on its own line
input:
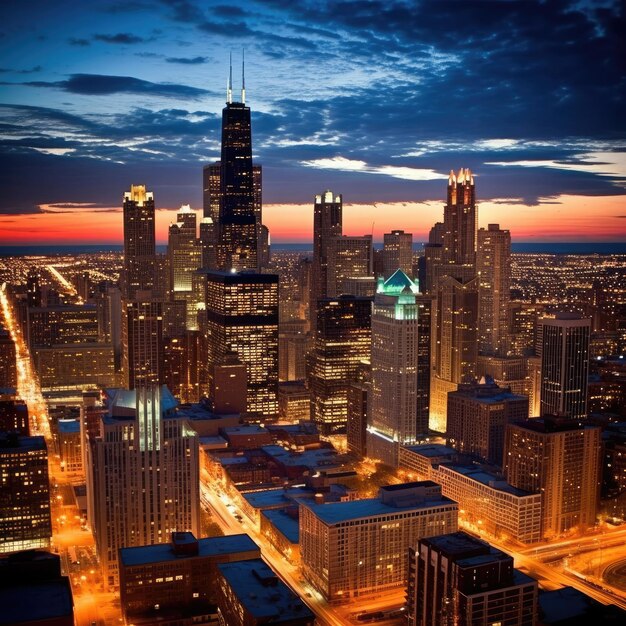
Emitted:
<point x="9" y="442"/>
<point x="69" y="427"/>
<point x="552" y="424"/>
<point x="245" y="429"/>
<point x="207" y="547"/>
<point x="312" y="459"/>
<point x="37" y="601"/>
<point x="280" y="498"/>
<point x="458" y="544"/>
<point x="432" y="450"/>
<point x="337" y="512"/>
<point x="261" y="593"/>
<point x="287" y="524"/>
<point x="486" y="478"/>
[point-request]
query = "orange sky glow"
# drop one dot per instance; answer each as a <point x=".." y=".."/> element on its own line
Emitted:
<point x="565" y="218"/>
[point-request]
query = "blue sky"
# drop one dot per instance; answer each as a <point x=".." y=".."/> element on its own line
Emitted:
<point x="375" y="99"/>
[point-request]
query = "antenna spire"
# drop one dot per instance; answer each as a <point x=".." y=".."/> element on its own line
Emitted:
<point x="243" y="76"/>
<point x="229" y="88"/>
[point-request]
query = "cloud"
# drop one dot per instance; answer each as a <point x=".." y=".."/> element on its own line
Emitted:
<point x="100" y="84"/>
<point x="76" y="41"/>
<point x="77" y="207"/>
<point x="347" y="165"/>
<point x="119" y="38"/>
<point x="32" y="70"/>
<point x="187" y="60"/>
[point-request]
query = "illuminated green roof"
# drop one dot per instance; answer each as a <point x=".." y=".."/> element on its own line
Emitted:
<point x="398" y="283"/>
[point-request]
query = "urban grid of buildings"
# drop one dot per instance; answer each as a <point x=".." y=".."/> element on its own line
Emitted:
<point x="254" y="438"/>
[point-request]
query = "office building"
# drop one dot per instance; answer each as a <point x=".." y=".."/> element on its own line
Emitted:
<point x="420" y="461"/>
<point x="13" y="413"/>
<point x="143" y="474"/>
<point x="251" y="594"/>
<point x="353" y="549"/>
<point x="180" y="366"/>
<point x="327" y="224"/>
<point x="142" y="341"/>
<point x="24" y="493"/>
<point x="139" y="241"/>
<point x="560" y="459"/>
<point x="174" y="582"/>
<point x="493" y="265"/>
<point x="458" y="579"/>
<point x="229" y="383"/>
<point x="489" y="503"/>
<point x="8" y="370"/>
<point x="70" y="449"/>
<point x="62" y="325"/>
<point x="294" y="402"/>
<point x="293" y="346"/>
<point x="242" y="316"/>
<point x="460" y="220"/>
<point x="507" y="371"/>
<point x="358" y="397"/>
<point x="342" y="340"/>
<point x="400" y="367"/>
<point x="348" y="257"/>
<point x="397" y="253"/>
<point x="455" y="342"/>
<point x="563" y="346"/>
<point x="478" y="413"/>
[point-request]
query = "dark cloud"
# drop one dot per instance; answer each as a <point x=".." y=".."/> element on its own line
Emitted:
<point x="187" y="60"/>
<point x="32" y="70"/>
<point x="100" y="85"/>
<point x="74" y="41"/>
<point x="121" y="38"/>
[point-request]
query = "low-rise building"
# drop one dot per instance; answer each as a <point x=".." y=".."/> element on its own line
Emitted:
<point x="250" y="594"/>
<point x="422" y="459"/>
<point x="174" y="583"/>
<point x="352" y="549"/>
<point x="488" y="502"/>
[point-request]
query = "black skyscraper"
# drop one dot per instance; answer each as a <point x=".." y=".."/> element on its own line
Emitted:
<point x="238" y="222"/>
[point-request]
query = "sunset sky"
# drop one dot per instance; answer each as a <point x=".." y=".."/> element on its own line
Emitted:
<point x="376" y="100"/>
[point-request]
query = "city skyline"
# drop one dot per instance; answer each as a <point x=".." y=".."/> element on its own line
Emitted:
<point x="131" y="93"/>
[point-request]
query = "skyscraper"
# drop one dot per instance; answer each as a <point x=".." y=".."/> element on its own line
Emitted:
<point x="397" y="253"/>
<point x="139" y="240"/>
<point x="142" y="341"/>
<point x="452" y="279"/>
<point x="455" y="344"/>
<point x="347" y="257"/>
<point x="400" y="345"/>
<point x="563" y="346"/>
<point x="493" y="264"/>
<point x="185" y="257"/>
<point x="238" y="225"/>
<point x="242" y="316"/>
<point x="560" y="459"/>
<point x="143" y="474"/>
<point x="24" y="493"/>
<point x="460" y="219"/>
<point x="327" y="223"/>
<point x="342" y="340"/>
<point x="456" y="579"/>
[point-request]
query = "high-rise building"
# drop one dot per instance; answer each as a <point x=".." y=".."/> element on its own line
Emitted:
<point x="184" y="258"/>
<point x="358" y="396"/>
<point x="142" y="341"/>
<point x="327" y="223"/>
<point x="242" y="316"/>
<point x="400" y="367"/>
<point x="8" y="369"/>
<point x="62" y="325"/>
<point x="342" y="340"/>
<point x="33" y="287"/>
<point x="478" y="413"/>
<point x="139" y="241"/>
<point x="348" y="257"/>
<point x="452" y="279"/>
<point x="493" y="265"/>
<point x="560" y="459"/>
<point x="397" y="253"/>
<point x="180" y="366"/>
<point x="143" y="474"/>
<point x="563" y="345"/>
<point x="456" y="579"/>
<point x="238" y="223"/>
<point x="228" y="390"/>
<point x="24" y="493"/>
<point x="352" y="549"/>
<point x="460" y="220"/>
<point x="455" y="343"/>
